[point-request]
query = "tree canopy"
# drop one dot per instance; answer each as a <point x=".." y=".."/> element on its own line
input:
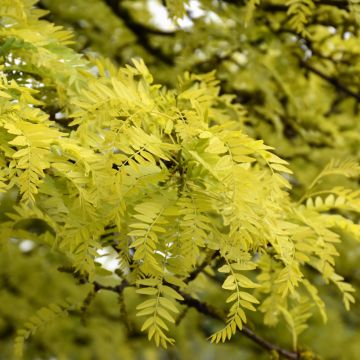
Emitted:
<point x="179" y="179"/>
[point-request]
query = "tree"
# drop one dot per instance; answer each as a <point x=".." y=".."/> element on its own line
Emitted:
<point x="214" y="164"/>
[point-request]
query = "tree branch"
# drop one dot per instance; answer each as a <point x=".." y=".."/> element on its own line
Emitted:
<point x="331" y="80"/>
<point x="206" y="309"/>
<point x="118" y="288"/>
<point x="200" y="306"/>
<point x="140" y="31"/>
<point x="271" y="7"/>
<point x="305" y="64"/>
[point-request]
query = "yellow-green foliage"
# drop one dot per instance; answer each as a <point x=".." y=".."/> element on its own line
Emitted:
<point x="299" y="11"/>
<point x="93" y="155"/>
<point x="42" y="317"/>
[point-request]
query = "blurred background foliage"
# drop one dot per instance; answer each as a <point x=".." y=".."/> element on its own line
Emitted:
<point x="300" y="84"/>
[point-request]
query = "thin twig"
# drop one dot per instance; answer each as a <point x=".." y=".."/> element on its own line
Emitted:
<point x="201" y="267"/>
<point x="272" y="7"/>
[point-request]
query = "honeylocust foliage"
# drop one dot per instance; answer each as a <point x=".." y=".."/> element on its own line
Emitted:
<point x="169" y="180"/>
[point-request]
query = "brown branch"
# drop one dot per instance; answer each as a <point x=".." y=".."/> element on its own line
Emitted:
<point x="118" y="288"/>
<point x="140" y="31"/>
<point x="331" y="80"/>
<point x="200" y="306"/>
<point x="305" y="64"/>
<point x="121" y="12"/>
<point x="206" y="309"/>
<point x="215" y="314"/>
<point x="271" y="7"/>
